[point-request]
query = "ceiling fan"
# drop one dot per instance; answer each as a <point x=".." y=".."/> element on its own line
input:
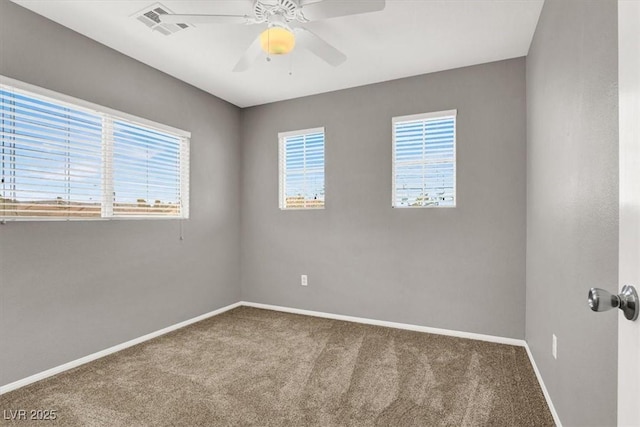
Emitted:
<point x="284" y="19"/>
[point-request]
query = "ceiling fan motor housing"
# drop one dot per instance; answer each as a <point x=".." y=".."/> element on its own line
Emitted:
<point x="266" y="10"/>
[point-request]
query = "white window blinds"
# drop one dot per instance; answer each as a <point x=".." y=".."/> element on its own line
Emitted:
<point x="59" y="160"/>
<point x="148" y="169"/>
<point x="424" y="160"/>
<point x="302" y="169"/>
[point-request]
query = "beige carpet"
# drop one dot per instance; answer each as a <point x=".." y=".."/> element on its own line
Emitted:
<point x="265" y="368"/>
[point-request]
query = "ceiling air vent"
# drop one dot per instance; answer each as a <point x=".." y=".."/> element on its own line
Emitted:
<point x="150" y="16"/>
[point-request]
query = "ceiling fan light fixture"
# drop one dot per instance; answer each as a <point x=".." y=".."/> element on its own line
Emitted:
<point x="277" y="40"/>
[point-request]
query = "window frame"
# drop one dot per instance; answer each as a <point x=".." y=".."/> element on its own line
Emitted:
<point x="27" y="89"/>
<point x="282" y="170"/>
<point x="425" y="117"/>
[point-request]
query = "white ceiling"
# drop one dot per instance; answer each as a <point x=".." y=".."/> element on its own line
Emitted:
<point x="409" y="37"/>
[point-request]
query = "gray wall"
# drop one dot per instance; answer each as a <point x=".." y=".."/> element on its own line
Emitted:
<point x="69" y="289"/>
<point x="572" y="205"/>
<point x="461" y="268"/>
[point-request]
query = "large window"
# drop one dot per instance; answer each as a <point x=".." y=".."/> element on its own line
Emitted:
<point x="424" y="160"/>
<point x="62" y="158"/>
<point x="302" y="169"/>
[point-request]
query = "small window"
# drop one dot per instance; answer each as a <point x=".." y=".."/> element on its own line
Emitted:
<point x="424" y="160"/>
<point x="62" y="158"/>
<point x="302" y="169"/>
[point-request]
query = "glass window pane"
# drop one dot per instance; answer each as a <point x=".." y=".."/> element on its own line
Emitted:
<point x="302" y="170"/>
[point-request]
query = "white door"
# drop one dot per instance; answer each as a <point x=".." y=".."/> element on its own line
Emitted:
<point x="629" y="86"/>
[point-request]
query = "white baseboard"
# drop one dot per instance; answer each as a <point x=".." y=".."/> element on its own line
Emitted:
<point x="547" y="397"/>
<point x="75" y="363"/>
<point x="384" y="323"/>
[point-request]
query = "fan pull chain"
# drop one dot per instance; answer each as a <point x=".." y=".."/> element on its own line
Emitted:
<point x="268" y="46"/>
<point x="291" y="64"/>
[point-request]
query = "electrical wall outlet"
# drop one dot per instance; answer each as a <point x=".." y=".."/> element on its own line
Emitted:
<point x="303" y="280"/>
<point x="554" y="346"/>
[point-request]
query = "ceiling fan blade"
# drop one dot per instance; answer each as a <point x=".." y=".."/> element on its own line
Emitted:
<point x="249" y="56"/>
<point x="334" y="8"/>
<point x="203" y="19"/>
<point x="312" y="42"/>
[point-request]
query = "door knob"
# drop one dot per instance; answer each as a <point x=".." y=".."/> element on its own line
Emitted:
<point x="627" y="301"/>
